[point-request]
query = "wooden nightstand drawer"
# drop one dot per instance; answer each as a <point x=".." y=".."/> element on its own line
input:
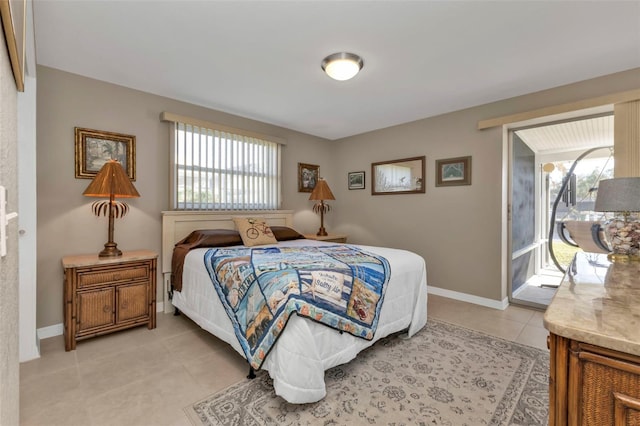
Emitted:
<point x="112" y="275"/>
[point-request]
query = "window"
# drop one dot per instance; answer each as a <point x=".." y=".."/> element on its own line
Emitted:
<point x="217" y="169"/>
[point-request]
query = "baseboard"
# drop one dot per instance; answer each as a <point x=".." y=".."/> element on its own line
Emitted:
<point x="464" y="297"/>
<point x="50" y="331"/>
<point x="58" y="329"/>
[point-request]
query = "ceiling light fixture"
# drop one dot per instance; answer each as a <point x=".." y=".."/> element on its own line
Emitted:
<point x="342" y="66"/>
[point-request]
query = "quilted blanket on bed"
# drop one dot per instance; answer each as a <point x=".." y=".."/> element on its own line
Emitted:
<point x="340" y="286"/>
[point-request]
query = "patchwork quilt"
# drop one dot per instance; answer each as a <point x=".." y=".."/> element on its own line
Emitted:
<point x="340" y="286"/>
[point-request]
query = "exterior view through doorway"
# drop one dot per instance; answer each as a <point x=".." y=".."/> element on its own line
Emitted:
<point x="541" y="158"/>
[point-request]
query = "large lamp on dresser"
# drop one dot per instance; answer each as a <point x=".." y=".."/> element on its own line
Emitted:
<point x="321" y="193"/>
<point x="112" y="182"/>
<point x="622" y="197"/>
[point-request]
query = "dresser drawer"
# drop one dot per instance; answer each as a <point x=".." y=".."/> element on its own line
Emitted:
<point x="112" y="275"/>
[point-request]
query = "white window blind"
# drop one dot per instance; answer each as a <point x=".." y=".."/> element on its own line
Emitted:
<point x="214" y="169"/>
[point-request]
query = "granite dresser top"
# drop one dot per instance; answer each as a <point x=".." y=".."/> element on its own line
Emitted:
<point x="598" y="302"/>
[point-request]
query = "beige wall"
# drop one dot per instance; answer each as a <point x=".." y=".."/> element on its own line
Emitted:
<point x="9" y="367"/>
<point x="456" y="229"/>
<point x="65" y="222"/>
<point x="448" y="226"/>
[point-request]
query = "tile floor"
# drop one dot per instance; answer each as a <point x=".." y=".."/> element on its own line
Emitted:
<point x="145" y="377"/>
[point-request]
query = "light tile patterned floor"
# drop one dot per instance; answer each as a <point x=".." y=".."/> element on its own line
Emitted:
<point x="145" y="377"/>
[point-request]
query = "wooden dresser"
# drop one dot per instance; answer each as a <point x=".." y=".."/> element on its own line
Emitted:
<point x="103" y="295"/>
<point x="594" y="325"/>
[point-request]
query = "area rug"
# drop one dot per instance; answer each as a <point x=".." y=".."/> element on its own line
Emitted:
<point x="444" y="375"/>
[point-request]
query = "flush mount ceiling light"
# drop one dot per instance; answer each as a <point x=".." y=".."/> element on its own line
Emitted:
<point x="342" y="66"/>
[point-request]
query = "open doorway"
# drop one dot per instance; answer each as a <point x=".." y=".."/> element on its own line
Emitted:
<point x="541" y="158"/>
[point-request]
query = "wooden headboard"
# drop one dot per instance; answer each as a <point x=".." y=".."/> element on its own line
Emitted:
<point x="178" y="224"/>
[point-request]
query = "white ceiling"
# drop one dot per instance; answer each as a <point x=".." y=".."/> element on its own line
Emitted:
<point x="261" y="59"/>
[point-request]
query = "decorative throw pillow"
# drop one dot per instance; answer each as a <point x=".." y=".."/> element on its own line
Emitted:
<point x="284" y="233"/>
<point x="254" y="231"/>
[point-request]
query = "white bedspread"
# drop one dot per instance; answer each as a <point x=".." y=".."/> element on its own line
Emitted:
<point x="306" y="349"/>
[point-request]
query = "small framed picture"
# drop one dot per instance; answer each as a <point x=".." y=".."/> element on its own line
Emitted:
<point x="453" y="171"/>
<point x="95" y="147"/>
<point x="308" y="175"/>
<point x="356" y="180"/>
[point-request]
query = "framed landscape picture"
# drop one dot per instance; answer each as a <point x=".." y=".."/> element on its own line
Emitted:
<point x="453" y="171"/>
<point x="356" y="180"/>
<point x="308" y="175"/>
<point x="404" y="176"/>
<point x="95" y="147"/>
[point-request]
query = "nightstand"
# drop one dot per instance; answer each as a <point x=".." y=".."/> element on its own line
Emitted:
<point x="103" y="295"/>
<point x="331" y="238"/>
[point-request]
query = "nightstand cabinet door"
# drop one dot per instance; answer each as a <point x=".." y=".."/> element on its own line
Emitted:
<point x="592" y="386"/>
<point x="104" y="295"/>
<point x="95" y="310"/>
<point x="608" y="385"/>
<point x="133" y="302"/>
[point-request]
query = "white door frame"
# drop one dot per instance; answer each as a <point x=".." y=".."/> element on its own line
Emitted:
<point x="29" y="346"/>
<point x="505" y="228"/>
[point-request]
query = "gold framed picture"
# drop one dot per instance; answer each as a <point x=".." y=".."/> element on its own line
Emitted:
<point x="308" y="175"/>
<point x="96" y="147"/>
<point x="453" y="171"/>
<point x="14" y="14"/>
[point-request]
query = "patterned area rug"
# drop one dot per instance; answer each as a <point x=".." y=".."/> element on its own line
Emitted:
<point x="444" y="375"/>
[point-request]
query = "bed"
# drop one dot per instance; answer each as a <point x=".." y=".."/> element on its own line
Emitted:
<point x="305" y="349"/>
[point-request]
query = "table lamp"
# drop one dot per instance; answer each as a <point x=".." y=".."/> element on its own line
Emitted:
<point x="111" y="181"/>
<point x="320" y="193"/>
<point x="621" y="196"/>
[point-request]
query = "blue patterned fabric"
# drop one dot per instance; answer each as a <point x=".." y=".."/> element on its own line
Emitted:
<point x="340" y="286"/>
